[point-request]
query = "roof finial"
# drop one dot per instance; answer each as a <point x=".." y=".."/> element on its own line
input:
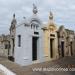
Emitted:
<point x="14" y="15"/>
<point x="13" y="20"/>
<point x="51" y="16"/>
<point x="34" y="9"/>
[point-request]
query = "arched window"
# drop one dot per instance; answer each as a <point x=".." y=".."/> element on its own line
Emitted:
<point x="19" y="40"/>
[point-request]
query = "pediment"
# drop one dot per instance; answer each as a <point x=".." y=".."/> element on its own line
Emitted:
<point x="63" y="33"/>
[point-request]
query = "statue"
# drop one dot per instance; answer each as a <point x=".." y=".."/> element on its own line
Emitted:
<point x="35" y="9"/>
<point x="14" y="15"/>
<point x="51" y="16"/>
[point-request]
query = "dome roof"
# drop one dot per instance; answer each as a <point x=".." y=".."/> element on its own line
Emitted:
<point x="61" y="28"/>
<point x="35" y="18"/>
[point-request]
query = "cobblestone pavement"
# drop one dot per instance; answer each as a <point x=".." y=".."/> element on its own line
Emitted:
<point x="66" y="62"/>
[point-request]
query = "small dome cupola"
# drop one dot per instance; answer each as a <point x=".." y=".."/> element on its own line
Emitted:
<point x="35" y="11"/>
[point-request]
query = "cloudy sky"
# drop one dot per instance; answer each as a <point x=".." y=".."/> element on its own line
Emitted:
<point x="63" y="10"/>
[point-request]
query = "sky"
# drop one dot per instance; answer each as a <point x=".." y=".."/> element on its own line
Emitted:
<point x="63" y="11"/>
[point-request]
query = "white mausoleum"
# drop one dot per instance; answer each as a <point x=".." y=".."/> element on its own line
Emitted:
<point x="28" y="40"/>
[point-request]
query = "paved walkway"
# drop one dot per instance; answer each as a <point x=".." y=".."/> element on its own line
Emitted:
<point x="27" y="70"/>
